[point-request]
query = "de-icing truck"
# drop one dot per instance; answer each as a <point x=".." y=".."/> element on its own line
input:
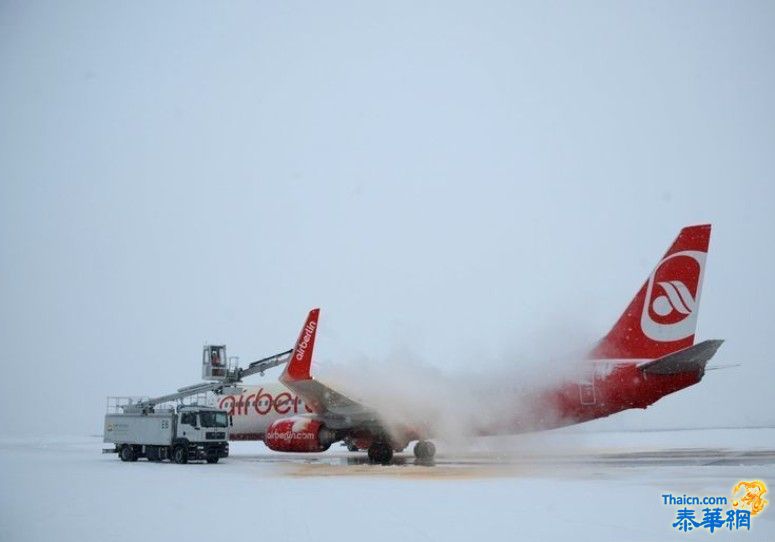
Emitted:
<point x="145" y="428"/>
<point x="188" y="433"/>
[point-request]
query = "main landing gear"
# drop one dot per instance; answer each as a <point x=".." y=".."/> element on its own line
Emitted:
<point x="380" y="452"/>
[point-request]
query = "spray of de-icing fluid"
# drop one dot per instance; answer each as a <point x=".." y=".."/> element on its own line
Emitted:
<point x="495" y="396"/>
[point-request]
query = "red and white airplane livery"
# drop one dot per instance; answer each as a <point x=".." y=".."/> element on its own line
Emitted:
<point x="649" y="353"/>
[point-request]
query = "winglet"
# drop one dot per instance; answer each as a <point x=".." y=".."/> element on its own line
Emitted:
<point x="301" y="358"/>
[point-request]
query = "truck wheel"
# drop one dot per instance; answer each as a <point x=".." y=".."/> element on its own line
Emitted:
<point x="180" y="455"/>
<point x="127" y="453"/>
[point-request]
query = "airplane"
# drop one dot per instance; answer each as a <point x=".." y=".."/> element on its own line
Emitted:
<point x="648" y="353"/>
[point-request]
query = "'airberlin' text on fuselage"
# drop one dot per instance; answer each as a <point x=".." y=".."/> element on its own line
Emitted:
<point x="262" y="403"/>
<point x="288" y="436"/>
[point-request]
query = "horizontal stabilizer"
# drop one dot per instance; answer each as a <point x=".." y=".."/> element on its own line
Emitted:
<point x="687" y="360"/>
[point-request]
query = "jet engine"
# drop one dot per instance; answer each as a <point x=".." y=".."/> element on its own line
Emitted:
<point x="298" y="435"/>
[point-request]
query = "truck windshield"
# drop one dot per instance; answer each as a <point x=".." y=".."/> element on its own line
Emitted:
<point x="213" y="419"/>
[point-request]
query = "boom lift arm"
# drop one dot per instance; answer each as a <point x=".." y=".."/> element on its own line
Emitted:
<point x="229" y="378"/>
<point x="263" y="364"/>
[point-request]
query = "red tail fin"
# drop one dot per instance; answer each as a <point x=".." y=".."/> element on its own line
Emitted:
<point x="301" y="357"/>
<point x="662" y="317"/>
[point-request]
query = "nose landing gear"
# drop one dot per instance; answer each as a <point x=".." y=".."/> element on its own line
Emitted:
<point x="424" y="450"/>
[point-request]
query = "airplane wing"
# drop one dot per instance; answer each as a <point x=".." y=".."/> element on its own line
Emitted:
<point x="338" y="410"/>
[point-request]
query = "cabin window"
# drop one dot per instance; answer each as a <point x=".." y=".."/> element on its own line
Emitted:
<point x="188" y="418"/>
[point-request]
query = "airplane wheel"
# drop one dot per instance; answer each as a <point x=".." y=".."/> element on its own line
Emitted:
<point x="424" y="449"/>
<point x="380" y="452"/>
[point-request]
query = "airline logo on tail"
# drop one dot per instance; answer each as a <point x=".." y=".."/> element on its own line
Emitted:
<point x="669" y="313"/>
<point x="662" y="317"/>
<point x="309" y="329"/>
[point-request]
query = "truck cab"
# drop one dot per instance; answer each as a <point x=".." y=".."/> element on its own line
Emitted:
<point x="203" y="431"/>
<point x="202" y="424"/>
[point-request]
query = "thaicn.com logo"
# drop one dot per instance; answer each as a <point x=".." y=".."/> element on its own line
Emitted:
<point x="718" y="512"/>
<point x="672" y="295"/>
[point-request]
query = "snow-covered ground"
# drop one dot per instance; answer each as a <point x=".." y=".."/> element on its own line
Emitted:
<point x="560" y="485"/>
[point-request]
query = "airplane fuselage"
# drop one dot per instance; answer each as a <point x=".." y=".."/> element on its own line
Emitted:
<point x="254" y="410"/>
<point x="606" y="388"/>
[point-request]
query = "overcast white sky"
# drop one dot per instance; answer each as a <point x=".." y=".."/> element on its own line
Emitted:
<point x="459" y="180"/>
